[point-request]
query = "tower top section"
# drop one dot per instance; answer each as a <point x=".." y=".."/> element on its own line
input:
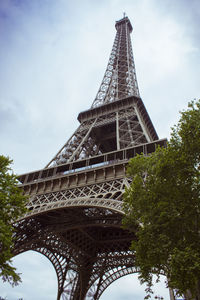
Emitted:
<point x="117" y="119"/>
<point x="123" y="21"/>
<point x="119" y="80"/>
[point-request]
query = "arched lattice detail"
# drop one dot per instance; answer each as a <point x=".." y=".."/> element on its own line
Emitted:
<point x="113" y="275"/>
<point x="104" y="272"/>
<point x="107" y="195"/>
<point x="105" y="266"/>
<point x="66" y="237"/>
<point x="62" y="267"/>
<point x="80" y="202"/>
<point x="67" y="276"/>
<point x="60" y="263"/>
<point x="63" y="261"/>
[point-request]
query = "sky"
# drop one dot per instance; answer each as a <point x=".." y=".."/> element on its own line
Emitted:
<point x="53" y="55"/>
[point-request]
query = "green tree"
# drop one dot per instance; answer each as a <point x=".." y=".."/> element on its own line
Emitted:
<point x="163" y="203"/>
<point x="12" y="206"/>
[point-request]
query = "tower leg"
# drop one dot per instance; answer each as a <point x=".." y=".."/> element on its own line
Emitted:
<point x="75" y="284"/>
<point x="61" y="288"/>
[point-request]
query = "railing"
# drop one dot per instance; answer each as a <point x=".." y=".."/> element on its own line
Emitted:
<point x="93" y="162"/>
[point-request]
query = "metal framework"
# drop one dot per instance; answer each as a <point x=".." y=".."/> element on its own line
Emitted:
<point x="75" y="202"/>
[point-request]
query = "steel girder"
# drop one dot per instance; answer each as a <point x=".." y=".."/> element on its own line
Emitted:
<point x="107" y="194"/>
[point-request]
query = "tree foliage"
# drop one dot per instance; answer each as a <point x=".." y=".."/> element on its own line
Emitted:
<point x="12" y="206"/>
<point x="163" y="201"/>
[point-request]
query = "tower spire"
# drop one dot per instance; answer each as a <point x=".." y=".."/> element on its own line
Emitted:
<point x="119" y="80"/>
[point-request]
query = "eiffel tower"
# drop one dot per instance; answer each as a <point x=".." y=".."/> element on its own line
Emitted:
<point x="75" y="202"/>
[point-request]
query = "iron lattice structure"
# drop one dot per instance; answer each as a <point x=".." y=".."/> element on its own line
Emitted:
<point x="75" y="202"/>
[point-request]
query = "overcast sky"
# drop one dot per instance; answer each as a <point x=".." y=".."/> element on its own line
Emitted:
<point x="53" y="55"/>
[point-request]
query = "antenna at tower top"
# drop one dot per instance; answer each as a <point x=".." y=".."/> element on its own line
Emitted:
<point x="124" y="14"/>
